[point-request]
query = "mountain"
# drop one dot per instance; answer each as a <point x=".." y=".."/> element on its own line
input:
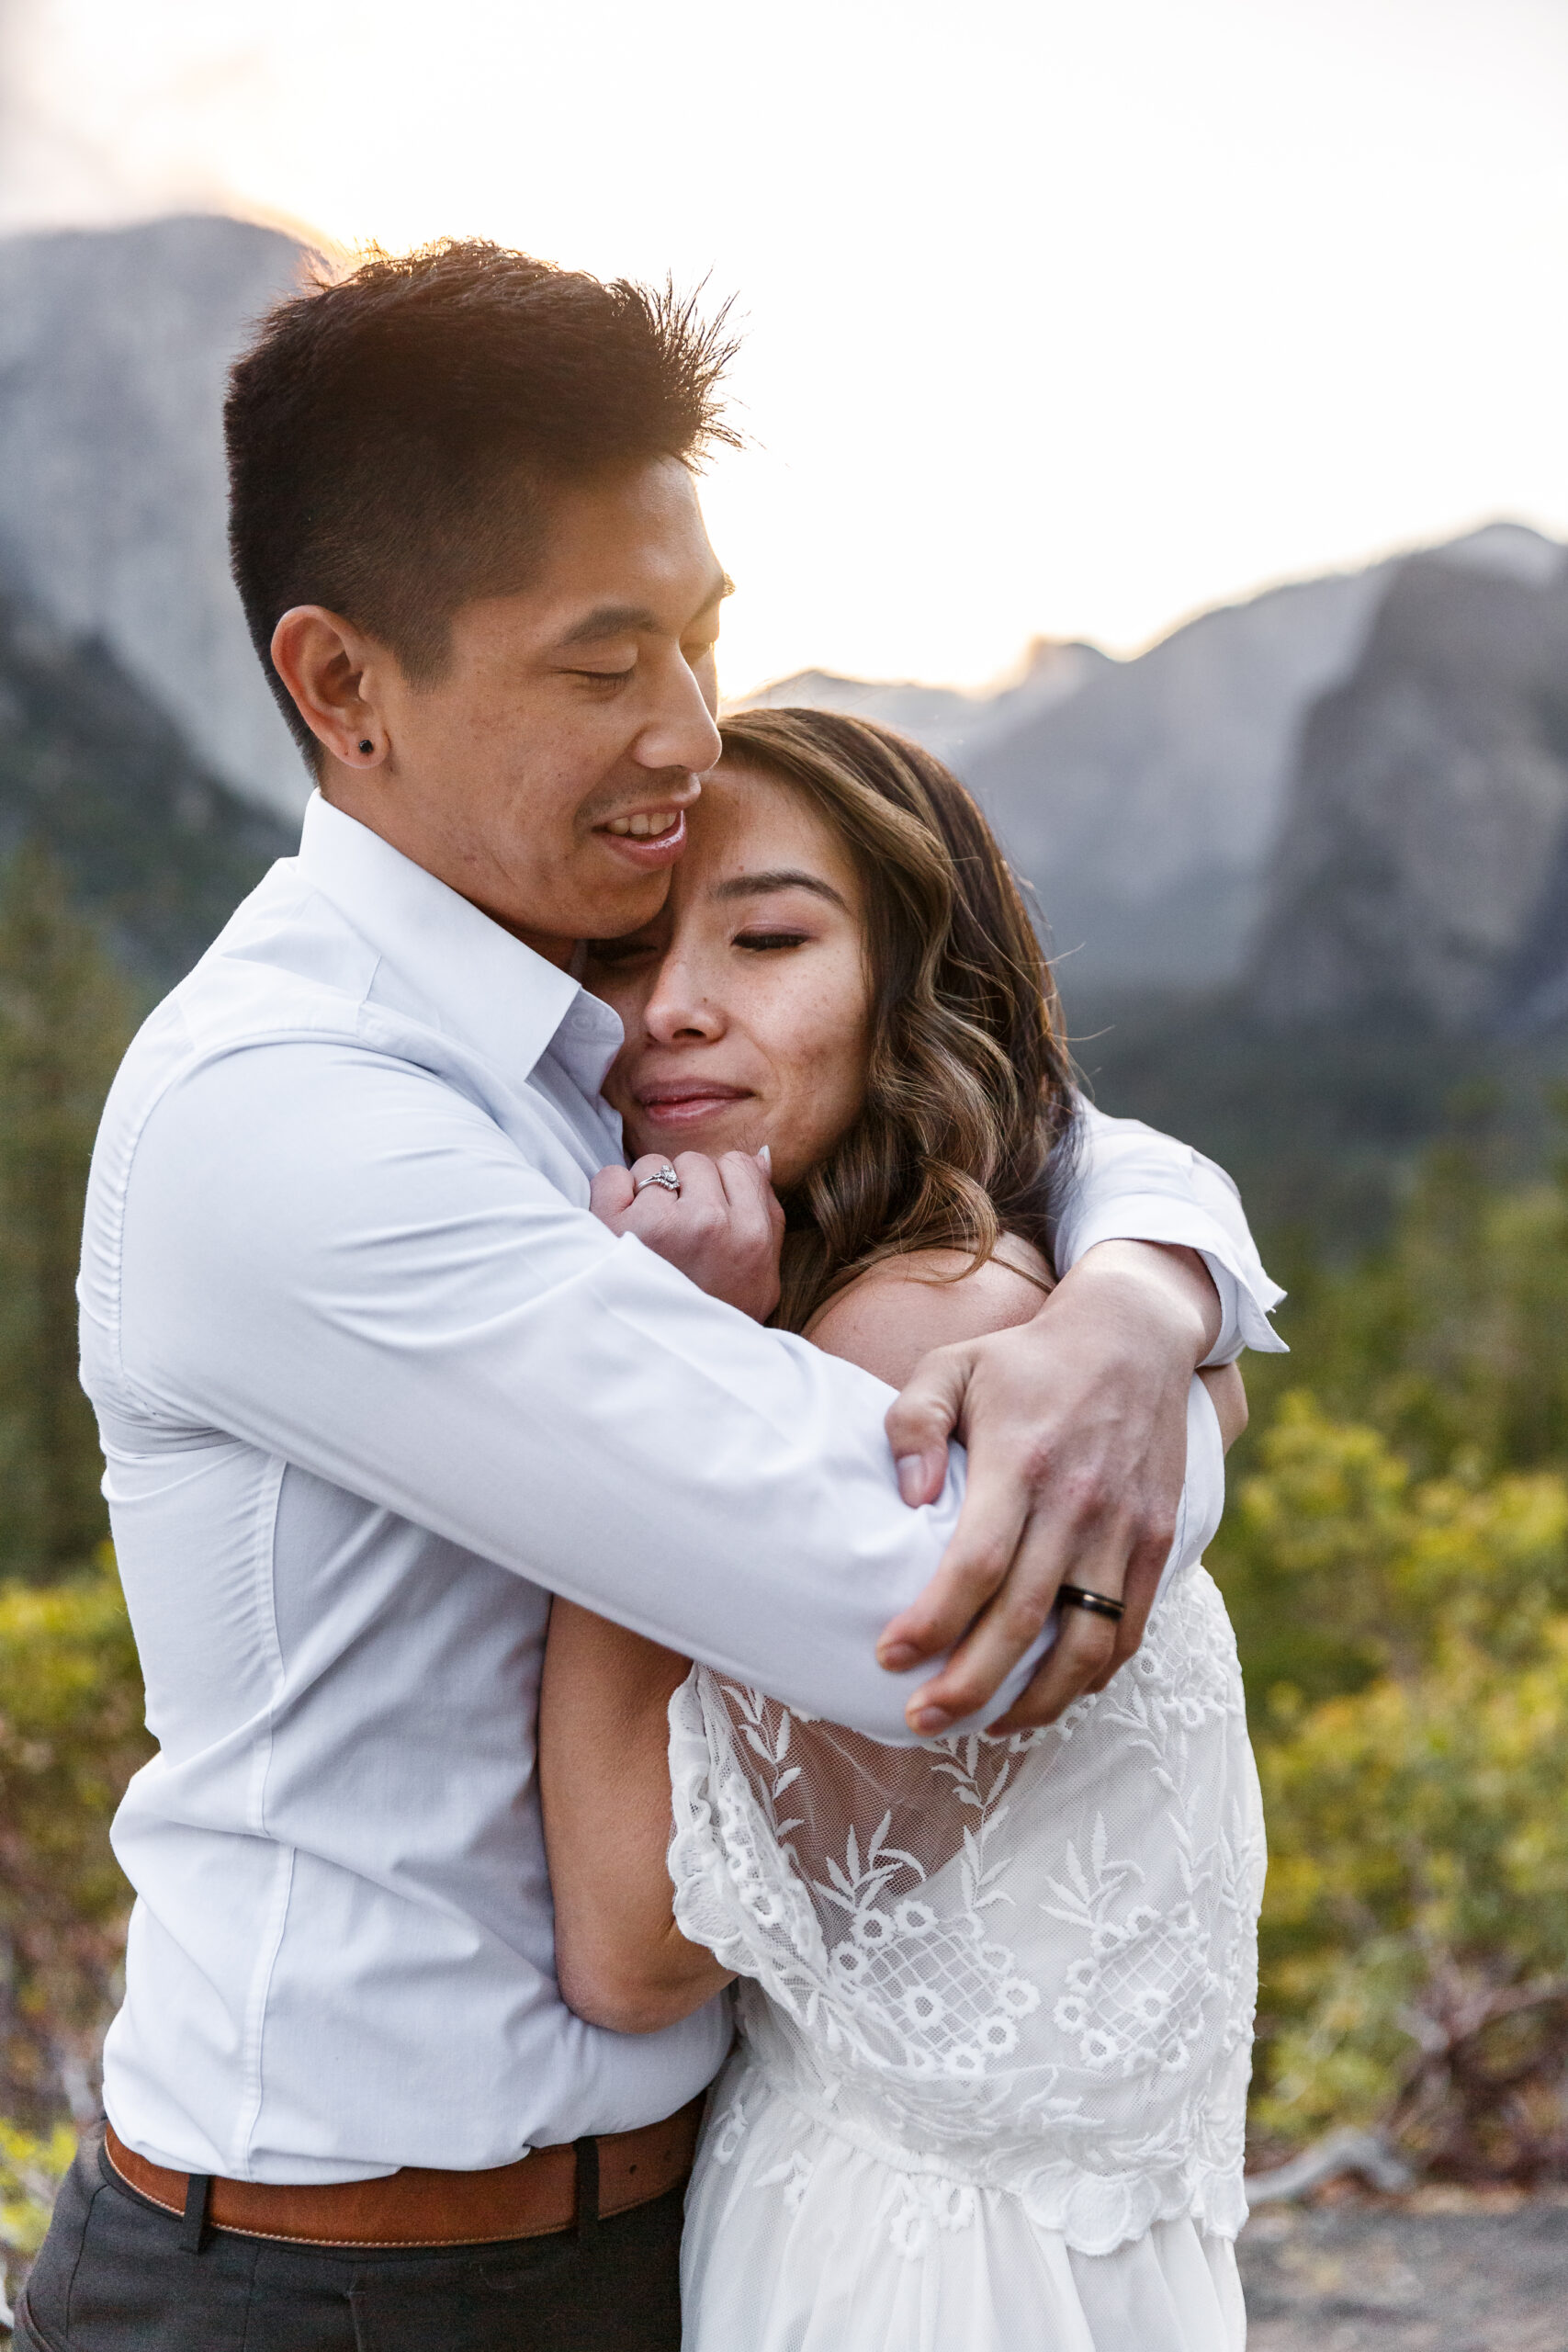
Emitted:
<point x="1158" y="805"/>
<point x="1423" y="867"/>
<point x="153" y="844"/>
<point x="1144" y="798"/>
<point x="1143" y="807"/>
<point x="114" y="345"/>
<point x="954" y="725"/>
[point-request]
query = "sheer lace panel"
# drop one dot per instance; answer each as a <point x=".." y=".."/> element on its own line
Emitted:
<point x="1023" y="1963"/>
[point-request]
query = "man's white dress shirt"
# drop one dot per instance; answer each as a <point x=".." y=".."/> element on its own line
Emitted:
<point x="372" y="1383"/>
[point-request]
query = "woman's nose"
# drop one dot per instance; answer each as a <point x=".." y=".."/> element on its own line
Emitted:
<point x="680" y="1007"/>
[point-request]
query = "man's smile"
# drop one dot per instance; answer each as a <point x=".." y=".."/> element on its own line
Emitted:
<point x="648" y="838"/>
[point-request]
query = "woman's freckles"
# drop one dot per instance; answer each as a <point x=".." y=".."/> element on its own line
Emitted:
<point x="745" y="1006"/>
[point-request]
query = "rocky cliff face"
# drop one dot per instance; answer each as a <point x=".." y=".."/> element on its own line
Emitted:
<point x="1423" y="866"/>
<point x="1144" y="806"/>
<point x="113" y="351"/>
<point x="1142" y="798"/>
<point x="154" y="846"/>
<point x="1157" y="805"/>
<point x="1145" y="799"/>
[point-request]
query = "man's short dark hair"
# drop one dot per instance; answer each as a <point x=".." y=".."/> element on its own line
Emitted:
<point x="394" y="437"/>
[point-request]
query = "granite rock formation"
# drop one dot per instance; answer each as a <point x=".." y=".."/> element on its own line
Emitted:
<point x="1423" y="866"/>
<point x="156" y="847"/>
<point x="114" y="345"/>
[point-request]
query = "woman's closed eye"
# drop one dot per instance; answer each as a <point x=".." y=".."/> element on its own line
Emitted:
<point x="764" y="943"/>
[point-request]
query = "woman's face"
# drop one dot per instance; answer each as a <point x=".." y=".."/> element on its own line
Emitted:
<point x="747" y="1004"/>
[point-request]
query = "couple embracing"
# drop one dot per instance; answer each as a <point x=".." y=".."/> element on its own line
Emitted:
<point x="620" y="1766"/>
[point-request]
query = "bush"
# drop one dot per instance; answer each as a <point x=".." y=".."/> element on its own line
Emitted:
<point x="71" y="1734"/>
<point x="1407" y="1641"/>
<point x="32" y="2165"/>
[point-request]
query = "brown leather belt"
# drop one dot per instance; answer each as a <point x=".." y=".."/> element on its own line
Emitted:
<point x="417" y="2206"/>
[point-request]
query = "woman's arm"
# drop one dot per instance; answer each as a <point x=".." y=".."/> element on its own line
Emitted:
<point x="621" y="1961"/>
<point x="1228" y="1396"/>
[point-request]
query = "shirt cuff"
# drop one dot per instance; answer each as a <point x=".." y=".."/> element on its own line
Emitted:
<point x="1248" y="1296"/>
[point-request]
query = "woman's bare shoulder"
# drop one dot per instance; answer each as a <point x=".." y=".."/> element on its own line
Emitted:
<point x="888" y="1318"/>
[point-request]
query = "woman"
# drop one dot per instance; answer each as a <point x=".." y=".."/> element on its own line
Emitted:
<point x="995" y="2011"/>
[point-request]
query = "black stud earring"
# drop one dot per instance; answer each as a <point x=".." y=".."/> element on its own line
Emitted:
<point x="365" y="745"/>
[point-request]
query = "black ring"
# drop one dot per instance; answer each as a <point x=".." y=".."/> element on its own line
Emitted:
<point x="1099" y="1604"/>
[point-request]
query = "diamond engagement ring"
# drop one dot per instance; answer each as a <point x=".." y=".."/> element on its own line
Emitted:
<point x="665" y="1178"/>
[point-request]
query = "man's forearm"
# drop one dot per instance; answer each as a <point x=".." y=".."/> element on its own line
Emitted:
<point x="1130" y="1182"/>
<point x="1163" y="1287"/>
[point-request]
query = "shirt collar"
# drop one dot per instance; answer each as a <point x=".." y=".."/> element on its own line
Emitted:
<point x="447" y="964"/>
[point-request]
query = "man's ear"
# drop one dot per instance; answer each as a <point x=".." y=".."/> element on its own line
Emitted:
<point x="331" y="669"/>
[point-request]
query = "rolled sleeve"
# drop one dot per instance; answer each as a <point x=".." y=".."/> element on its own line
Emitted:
<point x="1133" y="1184"/>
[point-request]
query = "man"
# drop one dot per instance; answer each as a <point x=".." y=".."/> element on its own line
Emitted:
<point x="372" y="1381"/>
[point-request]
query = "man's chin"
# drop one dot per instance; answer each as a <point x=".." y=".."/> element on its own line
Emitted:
<point x="623" y="904"/>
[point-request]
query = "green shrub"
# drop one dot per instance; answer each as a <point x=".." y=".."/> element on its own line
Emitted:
<point x="1407" y="1647"/>
<point x="71" y="1734"/>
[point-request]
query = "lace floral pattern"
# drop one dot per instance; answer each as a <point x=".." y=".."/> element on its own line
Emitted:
<point x="1022" y="1963"/>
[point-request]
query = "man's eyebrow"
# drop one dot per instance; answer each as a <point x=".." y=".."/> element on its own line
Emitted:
<point x="610" y="620"/>
<point x="635" y="620"/>
<point x="783" y="877"/>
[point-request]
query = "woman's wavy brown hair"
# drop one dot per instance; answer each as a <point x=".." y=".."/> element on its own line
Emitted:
<point x="968" y="1112"/>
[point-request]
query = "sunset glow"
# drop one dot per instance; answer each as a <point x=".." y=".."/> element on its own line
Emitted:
<point x="1060" y="320"/>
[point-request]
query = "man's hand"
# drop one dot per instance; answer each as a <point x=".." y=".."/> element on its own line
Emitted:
<point x="1077" y="1430"/>
<point x="723" y="1229"/>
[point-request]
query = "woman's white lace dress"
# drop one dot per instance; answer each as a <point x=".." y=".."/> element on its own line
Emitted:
<point x="996" y="2009"/>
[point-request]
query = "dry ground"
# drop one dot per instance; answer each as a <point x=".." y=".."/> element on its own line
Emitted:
<point x="1440" y="2270"/>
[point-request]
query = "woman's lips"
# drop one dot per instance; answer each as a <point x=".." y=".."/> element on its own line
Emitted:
<point x="688" y="1107"/>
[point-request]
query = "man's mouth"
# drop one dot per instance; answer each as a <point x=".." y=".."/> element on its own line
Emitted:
<point x="647" y="838"/>
<point x="647" y="825"/>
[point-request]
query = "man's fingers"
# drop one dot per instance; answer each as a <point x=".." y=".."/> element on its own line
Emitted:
<point x="1093" y="1550"/>
<point x="1075" y="1662"/>
<point x="921" y="1421"/>
<point x="1144" y="1572"/>
<point x="974" y="1564"/>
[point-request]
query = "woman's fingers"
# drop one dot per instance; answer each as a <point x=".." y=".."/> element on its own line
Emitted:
<point x="758" y="1223"/>
<point x="749" y="1190"/>
<point x="722" y="1227"/>
<point x="610" y="1194"/>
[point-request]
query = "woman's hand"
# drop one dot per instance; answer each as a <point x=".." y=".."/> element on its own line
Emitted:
<point x="723" y="1229"/>
<point x="1077" y="1430"/>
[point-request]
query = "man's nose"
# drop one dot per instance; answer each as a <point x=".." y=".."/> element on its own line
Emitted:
<point x="681" y="731"/>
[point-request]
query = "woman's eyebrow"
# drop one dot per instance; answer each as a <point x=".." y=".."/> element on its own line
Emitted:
<point x="783" y="877"/>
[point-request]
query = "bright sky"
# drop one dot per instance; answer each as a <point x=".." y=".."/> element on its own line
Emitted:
<point x="1063" y="317"/>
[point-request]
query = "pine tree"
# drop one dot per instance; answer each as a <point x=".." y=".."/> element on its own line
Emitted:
<point x="65" y="1017"/>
